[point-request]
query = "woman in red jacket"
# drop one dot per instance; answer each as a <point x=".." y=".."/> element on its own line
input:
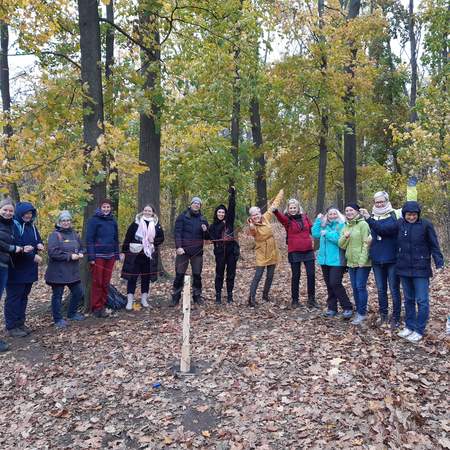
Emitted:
<point x="300" y="249"/>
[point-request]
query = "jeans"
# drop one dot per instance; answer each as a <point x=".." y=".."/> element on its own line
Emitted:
<point x="226" y="260"/>
<point x="336" y="290"/>
<point x="181" y="266"/>
<point x="384" y="275"/>
<point x="257" y="278"/>
<point x="16" y="304"/>
<point x="310" y="267"/>
<point x="358" y="279"/>
<point x="416" y="293"/>
<point x="101" y="271"/>
<point x="3" y="279"/>
<point x="57" y="293"/>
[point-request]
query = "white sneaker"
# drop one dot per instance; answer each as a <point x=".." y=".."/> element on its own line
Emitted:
<point x="358" y="320"/>
<point x="414" y="337"/>
<point x="130" y="301"/>
<point x="405" y="333"/>
<point x="144" y="301"/>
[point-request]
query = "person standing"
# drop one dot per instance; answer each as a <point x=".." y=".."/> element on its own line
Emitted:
<point x="383" y="253"/>
<point x="417" y="242"/>
<point x="331" y="258"/>
<point x="266" y="250"/>
<point x="355" y="240"/>
<point x="226" y="246"/>
<point x="23" y="271"/>
<point x="63" y="269"/>
<point x="140" y="250"/>
<point x="191" y="230"/>
<point x="300" y="249"/>
<point x="102" y="239"/>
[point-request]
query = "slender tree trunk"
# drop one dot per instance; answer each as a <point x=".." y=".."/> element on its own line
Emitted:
<point x="260" y="159"/>
<point x="6" y="99"/>
<point x="91" y="76"/>
<point x="150" y="126"/>
<point x="413" y="49"/>
<point x="114" y="193"/>
<point x="350" y="155"/>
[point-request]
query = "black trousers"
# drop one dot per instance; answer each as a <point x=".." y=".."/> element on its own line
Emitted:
<point x="227" y="260"/>
<point x="142" y="269"/>
<point x="181" y="266"/>
<point x="310" y="279"/>
<point x="257" y="278"/>
<point x="336" y="291"/>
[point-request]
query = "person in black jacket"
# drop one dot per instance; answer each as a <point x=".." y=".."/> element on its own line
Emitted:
<point x="140" y="249"/>
<point x="64" y="253"/>
<point x="191" y="230"/>
<point x="226" y="247"/>
<point x="417" y="243"/>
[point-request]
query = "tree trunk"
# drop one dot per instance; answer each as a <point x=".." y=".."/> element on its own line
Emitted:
<point x="150" y="126"/>
<point x="114" y="193"/>
<point x="260" y="159"/>
<point x="91" y="76"/>
<point x="350" y="174"/>
<point x="6" y="99"/>
<point x="413" y="49"/>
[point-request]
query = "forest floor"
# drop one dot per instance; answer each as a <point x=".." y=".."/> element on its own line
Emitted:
<point x="265" y="378"/>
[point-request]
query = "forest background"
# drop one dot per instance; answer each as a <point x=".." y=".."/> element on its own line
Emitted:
<point x="156" y="101"/>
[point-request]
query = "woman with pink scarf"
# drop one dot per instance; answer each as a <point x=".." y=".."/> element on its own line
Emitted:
<point x="141" y="254"/>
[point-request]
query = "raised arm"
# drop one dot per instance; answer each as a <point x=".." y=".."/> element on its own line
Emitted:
<point x="275" y="204"/>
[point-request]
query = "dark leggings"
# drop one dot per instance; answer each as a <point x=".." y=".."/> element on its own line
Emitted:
<point x="336" y="291"/>
<point x="141" y="268"/>
<point x="310" y="277"/>
<point x="257" y="278"/>
<point x="227" y="260"/>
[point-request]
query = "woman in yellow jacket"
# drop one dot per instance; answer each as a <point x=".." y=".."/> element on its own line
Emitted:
<point x="266" y="251"/>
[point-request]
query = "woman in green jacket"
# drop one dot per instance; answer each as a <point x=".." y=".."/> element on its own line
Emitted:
<point x="355" y="240"/>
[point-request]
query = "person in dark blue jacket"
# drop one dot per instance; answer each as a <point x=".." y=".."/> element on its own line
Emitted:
<point x="102" y="240"/>
<point x="191" y="230"/>
<point x="417" y="242"/>
<point x="24" y="269"/>
<point x="383" y="253"/>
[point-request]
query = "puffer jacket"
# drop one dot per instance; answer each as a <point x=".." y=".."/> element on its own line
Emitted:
<point x="357" y="245"/>
<point x="188" y="232"/>
<point x="102" y="237"/>
<point x="7" y="245"/>
<point x="298" y="231"/>
<point x="329" y="253"/>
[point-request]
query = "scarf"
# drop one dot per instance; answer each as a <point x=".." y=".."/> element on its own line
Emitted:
<point x="147" y="234"/>
<point x="381" y="211"/>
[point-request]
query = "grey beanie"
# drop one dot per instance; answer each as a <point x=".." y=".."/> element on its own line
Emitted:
<point x="196" y="199"/>
<point x="64" y="215"/>
<point x="6" y="201"/>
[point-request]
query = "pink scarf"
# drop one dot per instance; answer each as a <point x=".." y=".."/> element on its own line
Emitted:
<point x="147" y="234"/>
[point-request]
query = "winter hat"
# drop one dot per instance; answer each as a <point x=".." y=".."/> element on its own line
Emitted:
<point x="196" y="199"/>
<point x="64" y="215"/>
<point x="381" y="194"/>
<point x="355" y="206"/>
<point x="6" y="201"/>
<point x="107" y="201"/>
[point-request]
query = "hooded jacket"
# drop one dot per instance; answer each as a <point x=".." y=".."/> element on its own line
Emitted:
<point x="23" y="268"/>
<point x="416" y="243"/>
<point x="61" y="269"/>
<point x="139" y="263"/>
<point x="102" y="237"/>
<point x="329" y="253"/>
<point x="383" y="249"/>
<point x="7" y="240"/>
<point x="357" y="245"/>
<point x="188" y="232"/>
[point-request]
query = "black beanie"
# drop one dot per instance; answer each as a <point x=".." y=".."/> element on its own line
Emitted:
<point x="355" y="206"/>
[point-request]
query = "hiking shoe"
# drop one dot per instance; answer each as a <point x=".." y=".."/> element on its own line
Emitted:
<point x="405" y="332"/>
<point x="330" y="313"/>
<point x="4" y="347"/>
<point x="358" y="320"/>
<point x="229" y="298"/>
<point x="395" y="323"/>
<point x="100" y="313"/>
<point x="17" y="332"/>
<point x="78" y="317"/>
<point x="347" y="314"/>
<point x="414" y="337"/>
<point x="61" y="324"/>
<point x="295" y="304"/>
<point x="27" y="330"/>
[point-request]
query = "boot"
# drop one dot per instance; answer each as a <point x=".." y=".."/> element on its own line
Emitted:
<point x="175" y="300"/>
<point x="144" y="301"/>
<point x="218" y="297"/>
<point x="312" y="303"/>
<point x="251" y="301"/>
<point x="198" y="299"/>
<point x="230" y="297"/>
<point x="266" y="297"/>
<point x="130" y="301"/>
<point x="295" y="303"/>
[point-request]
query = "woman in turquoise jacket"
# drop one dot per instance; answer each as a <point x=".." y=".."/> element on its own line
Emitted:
<point x="328" y="228"/>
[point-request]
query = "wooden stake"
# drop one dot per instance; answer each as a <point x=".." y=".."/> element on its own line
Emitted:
<point x="185" y="364"/>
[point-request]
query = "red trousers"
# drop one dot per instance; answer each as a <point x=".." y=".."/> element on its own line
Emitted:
<point x="101" y="272"/>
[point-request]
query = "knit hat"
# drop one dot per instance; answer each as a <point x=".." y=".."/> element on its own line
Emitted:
<point x="196" y="199"/>
<point x="6" y="201"/>
<point x="107" y="201"/>
<point x="355" y="206"/>
<point x="64" y="215"/>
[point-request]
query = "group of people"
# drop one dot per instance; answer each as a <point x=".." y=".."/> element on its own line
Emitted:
<point x="397" y="244"/>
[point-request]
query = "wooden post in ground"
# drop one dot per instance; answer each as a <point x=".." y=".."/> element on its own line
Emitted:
<point x="185" y="364"/>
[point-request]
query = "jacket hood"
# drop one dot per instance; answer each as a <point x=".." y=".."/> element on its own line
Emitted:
<point x="216" y="220"/>
<point x="63" y="230"/>
<point x="411" y="207"/>
<point x="357" y="219"/>
<point x="98" y="213"/>
<point x="22" y="208"/>
<point x="139" y="216"/>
